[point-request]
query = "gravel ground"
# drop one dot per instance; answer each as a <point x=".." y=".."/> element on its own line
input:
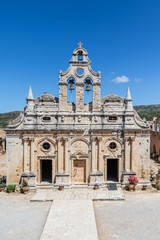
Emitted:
<point x="21" y="219"/>
<point x="136" y="218"/>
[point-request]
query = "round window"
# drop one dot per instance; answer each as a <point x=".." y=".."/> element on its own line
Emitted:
<point x="46" y="145"/>
<point x="80" y="71"/>
<point x="112" y="145"/>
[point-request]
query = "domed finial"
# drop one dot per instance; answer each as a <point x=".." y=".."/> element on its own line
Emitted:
<point x="80" y="44"/>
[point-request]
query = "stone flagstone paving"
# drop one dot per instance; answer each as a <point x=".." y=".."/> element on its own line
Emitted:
<point x="72" y="220"/>
<point x="78" y="194"/>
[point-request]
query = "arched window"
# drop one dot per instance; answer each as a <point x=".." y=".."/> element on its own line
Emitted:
<point x="80" y="56"/>
<point x="88" y="91"/>
<point x="71" y="90"/>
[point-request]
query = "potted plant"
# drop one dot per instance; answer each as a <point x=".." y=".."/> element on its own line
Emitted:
<point x="132" y="182"/>
<point x="144" y="187"/>
<point x="11" y="188"/>
<point x="96" y="186"/>
<point x="61" y="187"/>
<point x="2" y="186"/>
<point x="24" y="186"/>
<point x="158" y="185"/>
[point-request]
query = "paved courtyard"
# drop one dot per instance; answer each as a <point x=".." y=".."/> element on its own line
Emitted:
<point x="21" y="219"/>
<point x="136" y="218"/>
<point x="78" y="194"/>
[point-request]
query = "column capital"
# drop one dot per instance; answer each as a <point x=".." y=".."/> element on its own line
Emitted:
<point x="25" y="139"/>
<point x="93" y="139"/>
<point x="65" y="139"/>
<point x="59" y="139"/>
<point x="99" y="139"/>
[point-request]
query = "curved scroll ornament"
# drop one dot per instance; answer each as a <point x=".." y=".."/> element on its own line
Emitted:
<point x="16" y="122"/>
<point x="139" y="121"/>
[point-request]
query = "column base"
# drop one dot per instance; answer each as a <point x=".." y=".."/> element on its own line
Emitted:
<point x="125" y="176"/>
<point x="96" y="177"/>
<point x="62" y="178"/>
<point x="30" y="177"/>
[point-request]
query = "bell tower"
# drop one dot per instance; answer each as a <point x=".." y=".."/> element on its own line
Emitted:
<point x="82" y="77"/>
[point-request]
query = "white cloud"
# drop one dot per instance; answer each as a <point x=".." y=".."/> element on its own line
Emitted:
<point x="122" y="79"/>
<point x="137" y="79"/>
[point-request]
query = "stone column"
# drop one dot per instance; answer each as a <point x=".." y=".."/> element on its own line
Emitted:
<point x="100" y="157"/>
<point x="59" y="160"/>
<point x="25" y="155"/>
<point x="96" y="97"/>
<point x="66" y="154"/>
<point x="93" y="139"/>
<point x="131" y="153"/>
<point x="79" y="97"/>
<point x="62" y="96"/>
<point x="32" y="154"/>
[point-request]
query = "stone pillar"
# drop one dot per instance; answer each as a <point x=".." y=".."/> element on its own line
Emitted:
<point x="32" y="154"/>
<point x="66" y="154"/>
<point x="79" y="97"/>
<point x="131" y="153"/>
<point x="25" y="155"/>
<point x="96" y="97"/>
<point x="100" y="157"/>
<point x="93" y="139"/>
<point x="59" y="160"/>
<point x="62" y="96"/>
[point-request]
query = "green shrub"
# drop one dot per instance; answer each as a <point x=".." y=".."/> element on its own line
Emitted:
<point x="2" y="185"/>
<point x="11" y="187"/>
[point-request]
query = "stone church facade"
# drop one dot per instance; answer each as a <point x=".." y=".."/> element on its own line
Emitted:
<point x="54" y="141"/>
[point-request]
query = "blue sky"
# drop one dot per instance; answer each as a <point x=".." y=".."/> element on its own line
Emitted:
<point x="37" y="39"/>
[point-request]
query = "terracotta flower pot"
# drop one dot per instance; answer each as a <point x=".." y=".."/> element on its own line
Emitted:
<point x="10" y="190"/>
<point x="2" y="189"/>
<point x="96" y="187"/>
<point x="61" y="188"/>
<point x="131" y="187"/>
<point x="25" y="189"/>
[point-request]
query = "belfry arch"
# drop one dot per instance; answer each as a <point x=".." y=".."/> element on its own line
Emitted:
<point x="85" y="81"/>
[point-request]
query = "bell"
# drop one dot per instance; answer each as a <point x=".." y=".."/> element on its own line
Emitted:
<point x="71" y="87"/>
<point x="88" y="88"/>
<point x="80" y="57"/>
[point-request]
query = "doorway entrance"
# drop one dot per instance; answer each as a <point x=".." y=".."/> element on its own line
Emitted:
<point x="46" y="171"/>
<point x="112" y="170"/>
<point x="79" y="171"/>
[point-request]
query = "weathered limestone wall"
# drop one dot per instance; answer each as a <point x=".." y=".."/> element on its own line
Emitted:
<point x="2" y="153"/>
<point x="14" y="158"/>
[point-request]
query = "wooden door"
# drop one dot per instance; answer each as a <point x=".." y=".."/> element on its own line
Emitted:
<point x="79" y="171"/>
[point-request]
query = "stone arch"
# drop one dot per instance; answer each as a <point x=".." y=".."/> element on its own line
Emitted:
<point x="79" y="146"/>
<point x="71" y="76"/>
<point x="46" y="139"/>
<point x="113" y="139"/>
<point x="117" y="149"/>
<point x="89" y="76"/>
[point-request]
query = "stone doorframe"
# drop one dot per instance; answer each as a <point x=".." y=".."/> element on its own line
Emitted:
<point x="119" y="165"/>
<point x="39" y="158"/>
<point x="80" y="157"/>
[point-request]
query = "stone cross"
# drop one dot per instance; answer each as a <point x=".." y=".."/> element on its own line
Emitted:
<point x="80" y="44"/>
